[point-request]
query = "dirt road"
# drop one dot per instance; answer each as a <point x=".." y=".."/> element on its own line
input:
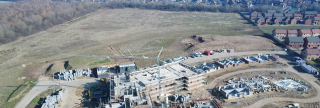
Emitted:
<point x="310" y="79"/>
<point x="44" y="85"/>
<point x="221" y="55"/>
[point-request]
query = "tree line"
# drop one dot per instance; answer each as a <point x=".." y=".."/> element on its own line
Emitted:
<point x="26" y="17"/>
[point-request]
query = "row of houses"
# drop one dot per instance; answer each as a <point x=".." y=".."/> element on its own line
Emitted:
<point x="299" y="42"/>
<point x="236" y="62"/>
<point x="272" y="17"/>
<point x="281" y="34"/>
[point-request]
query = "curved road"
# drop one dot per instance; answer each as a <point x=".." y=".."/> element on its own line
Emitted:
<point x="262" y="102"/>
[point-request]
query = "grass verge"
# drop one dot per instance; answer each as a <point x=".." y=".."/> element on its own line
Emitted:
<point x="100" y="62"/>
<point x="38" y="99"/>
<point x="17" y="94"/>
<point x="269" y="29"/>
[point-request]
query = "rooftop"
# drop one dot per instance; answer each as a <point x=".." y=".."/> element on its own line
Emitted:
<point x="293" y="31"/>
<point x="310" y="12"/>
<point x="316" y="18"/>
<point x="297" y="15"/>
<point x="315" y="30"/>
<point x="313" y="51"/>
<point x="278" y="14"/>
<point x="306" y="31"/>
<point x="280" y="31"/>
<point x="295" y="39"/>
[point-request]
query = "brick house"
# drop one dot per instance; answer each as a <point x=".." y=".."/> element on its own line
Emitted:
<point x="309" y="14"/>
<point x="307" y="21"/>
<point x="310" y="54"/>
<point x="268" y="20"/>
<point x="277" y="20"/>
<point x="311" y="42"/>
<point x="293" y="21"/>
<point x="286" y="20"/>
<point x="279" y="34"/>
<point x="305" y="33"/>
<point x="316" y="20"/>
<point x="253" y="16"/>
<point x="294" y="42"/>
<point x="298" y="16"/>
<point x="292" y="33"/>
<point x="315" y="32"/>
<point x="260" y="20"/>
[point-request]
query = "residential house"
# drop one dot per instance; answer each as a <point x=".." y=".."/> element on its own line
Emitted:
<point x="253" y="16"/>
<point x="305" y="33"/>
<point x="315" y="32"/>
<point x="292" y="33"/>
<point x="286" y="20"/>
<point x="316" y="20"/>
<point x="268" y="15"/>
<point x="309" y="14"/>
<point x="298" y="16"/>
<point x="277" y="20"/>
<point x="294" y="42"/>
<point x="311" y="42"/>
<point x="279" y="34"/>
<point x="307" y="21"/>
<point x="252" y="11"/>
<point x="268" y="20"/>
<point x="310" y="54"/>
<point x="260" y="20"/>
<point x="293" y="21"/>
<point x="318" y="15"/>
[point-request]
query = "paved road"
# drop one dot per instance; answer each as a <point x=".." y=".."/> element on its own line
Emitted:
<point x="221" y="55"/>
<point x="310" y="79"/>
<point x="44" y="85"/>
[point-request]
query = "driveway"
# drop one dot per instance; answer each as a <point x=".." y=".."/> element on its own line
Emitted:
<point x="221" y="55"/>
<point x="44" y="85"/>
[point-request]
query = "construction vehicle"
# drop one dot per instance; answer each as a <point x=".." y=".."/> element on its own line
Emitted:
<point x="103" y="79"/>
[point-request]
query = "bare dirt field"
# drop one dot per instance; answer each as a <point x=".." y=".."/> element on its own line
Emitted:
<point x="238" y="43"/>
<point x="123" y="29"/>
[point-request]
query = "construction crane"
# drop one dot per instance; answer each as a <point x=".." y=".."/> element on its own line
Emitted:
<point x="134" y="57"/>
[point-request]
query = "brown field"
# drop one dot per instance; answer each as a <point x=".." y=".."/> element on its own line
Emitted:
<point x="123" y="29"/>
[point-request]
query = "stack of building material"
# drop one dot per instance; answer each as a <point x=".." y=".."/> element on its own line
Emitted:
<point x="88" y="72"/>
<point x="78" y="73"/>
<point x="67" y="76"/>
<point x="298" y="60"/>
<point x="51" y="100"/>
<point x="309" y="69"/>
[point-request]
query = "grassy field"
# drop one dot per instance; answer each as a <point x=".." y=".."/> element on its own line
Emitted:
<point x="269" y="29"/>
<point x="123" y="29"/>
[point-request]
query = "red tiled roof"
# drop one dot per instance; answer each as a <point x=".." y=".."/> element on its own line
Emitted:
<point x="281" y="31"/>
<point x="318" y="15"/>
<point x="317" y="18"/>
<point x="293" y="31"/>
<point x="306" y="31"/>
<point x="315" y="30"/>
<point x="313" y="51"/>
<point x="297" y="15"/>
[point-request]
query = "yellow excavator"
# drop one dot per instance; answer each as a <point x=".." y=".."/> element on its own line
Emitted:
<point x="103" y="79"/>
